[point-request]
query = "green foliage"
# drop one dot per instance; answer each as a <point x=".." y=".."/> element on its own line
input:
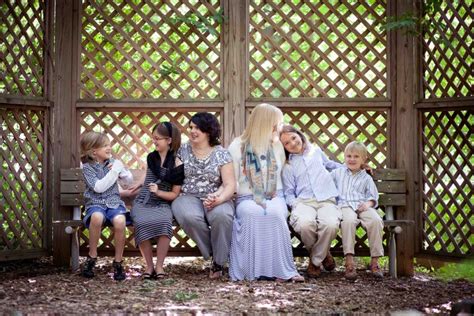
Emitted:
<point x="166" y="70"/>
<point x="185" y="296"/>
<point x="416" y="25"/>
<point x="204" y="24"/>
<point x="455" y="271"/>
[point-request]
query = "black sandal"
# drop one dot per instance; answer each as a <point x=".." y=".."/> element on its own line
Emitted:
<point x="149" y="276"/>
<point x="214" y="269"/>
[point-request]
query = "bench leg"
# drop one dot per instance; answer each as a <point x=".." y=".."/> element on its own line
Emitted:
<point x="75" y="251"/>
<point x="392" y="255"/>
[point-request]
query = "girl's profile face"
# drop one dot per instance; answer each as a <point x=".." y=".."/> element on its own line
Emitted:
<point x="292" y="142"/>
<point x="162" y="143"/>
<point x="103" y="153"/>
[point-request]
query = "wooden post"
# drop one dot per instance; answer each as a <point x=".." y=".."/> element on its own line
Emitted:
<point x="235" y="68"/>
<point x="67" y="26"/>
<point x="404" y="131"/>
<point x="48" y="95"/>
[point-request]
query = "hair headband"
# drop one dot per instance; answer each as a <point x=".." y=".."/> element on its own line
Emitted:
<point x="169" y="128"/>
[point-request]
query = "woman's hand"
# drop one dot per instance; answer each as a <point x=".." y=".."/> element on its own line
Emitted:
<point x="153" y="187"/>
<point x="211" y="201"/>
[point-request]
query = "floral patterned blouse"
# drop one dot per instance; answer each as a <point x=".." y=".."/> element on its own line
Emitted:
<point x="202" y="176"/>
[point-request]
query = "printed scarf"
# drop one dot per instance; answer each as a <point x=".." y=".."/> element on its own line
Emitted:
<point x="253" y="173"/>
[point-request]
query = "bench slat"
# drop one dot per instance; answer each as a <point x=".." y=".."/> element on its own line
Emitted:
<point x="398" y="222"/>
<point x="72" y="199"/>
<point x="71" y="174"/>
<point x="72" y="187"/>
<point x="392" y="199"/>
<point x="391" y="186"/>
<point x="389" y="174"/>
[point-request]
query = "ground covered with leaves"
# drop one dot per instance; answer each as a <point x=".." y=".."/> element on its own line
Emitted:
<point x="39" y="287"/>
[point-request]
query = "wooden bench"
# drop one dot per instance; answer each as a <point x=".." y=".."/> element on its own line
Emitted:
<point x="391" y="184"/>
<point x="72" y="194"/>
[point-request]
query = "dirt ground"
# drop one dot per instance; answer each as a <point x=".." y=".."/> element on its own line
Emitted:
<point x="39" y="287"/>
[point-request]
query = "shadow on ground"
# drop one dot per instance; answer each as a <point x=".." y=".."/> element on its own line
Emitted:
<point x="39" y="287"/>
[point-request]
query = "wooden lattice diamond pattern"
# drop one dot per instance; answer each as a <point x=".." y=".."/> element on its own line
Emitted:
<point x="448" y="186"/>
<point x="21" y="160"/>
<point x="149" y="49"/>
<point x="448" y="52"/>
<point x="333" y="130"/>
<point x="130" y="132"/>
<point x="317" y="49"/>
<point x="21" y="51"/>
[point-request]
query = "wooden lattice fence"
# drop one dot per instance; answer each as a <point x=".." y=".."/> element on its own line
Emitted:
<point x="122" y="66"/>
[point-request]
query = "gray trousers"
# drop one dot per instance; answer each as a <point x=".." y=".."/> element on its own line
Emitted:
<point x="210" y="230"/>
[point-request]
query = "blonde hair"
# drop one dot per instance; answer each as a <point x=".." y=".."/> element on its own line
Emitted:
<point x="358" y="148"/>
<point x="260" y="127"/>
<point x="91" y="141"/>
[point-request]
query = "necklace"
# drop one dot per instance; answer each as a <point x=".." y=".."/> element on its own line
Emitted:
<point x="202" y="154"/>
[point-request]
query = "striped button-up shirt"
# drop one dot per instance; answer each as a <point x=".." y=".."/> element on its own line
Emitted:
<point x="354" y="188"/>
<point x="306" y="176"/>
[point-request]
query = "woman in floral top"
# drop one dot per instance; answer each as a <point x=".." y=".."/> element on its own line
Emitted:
<point x="204" y="209"/>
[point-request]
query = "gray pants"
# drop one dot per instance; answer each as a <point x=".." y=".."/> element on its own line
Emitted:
<point x="210" y="230"/>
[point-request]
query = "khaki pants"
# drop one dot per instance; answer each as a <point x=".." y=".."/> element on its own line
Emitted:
<point x="372" y="223"/>
<point x="317" y="224"/>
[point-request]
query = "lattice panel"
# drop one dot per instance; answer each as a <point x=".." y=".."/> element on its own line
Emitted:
<point x="22" y="34"/>
<point x="448" y="186"/>
<point x="180" y="243"/>
<point x="21" y="188"/>
<point x="130" y="132"/>
<point x="317" y="49"/>
<point x="448" y="52"/>
<point x="149" y="49"/>
<point x="333" y="130"/>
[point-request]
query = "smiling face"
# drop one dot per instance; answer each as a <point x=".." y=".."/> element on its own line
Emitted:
<point x="196" y="136"/>
<point x="162" y="143"/>
<point x="292" y="142"/>
<point x="103" y="153"/>
<point x="354" y="160"/>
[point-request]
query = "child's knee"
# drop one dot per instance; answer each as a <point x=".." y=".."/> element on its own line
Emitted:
<point x="97" y="219"/>
<point x="119" y="222"/>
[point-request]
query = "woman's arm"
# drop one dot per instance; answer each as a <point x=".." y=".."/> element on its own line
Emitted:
<point x="165" y="195"/>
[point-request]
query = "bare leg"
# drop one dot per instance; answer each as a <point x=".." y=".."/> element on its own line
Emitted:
<point x="161" y="252"/>
<point x="119" y="236"/>
<point x="95" y="228"/>
<point x="147" y="253"/>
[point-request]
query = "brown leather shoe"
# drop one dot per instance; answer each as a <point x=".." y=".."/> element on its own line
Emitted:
<point x="350" y="273"/>
<point x="376" y="272"/>
<point x="313" y="271"/>
<point x="328" y="263"/>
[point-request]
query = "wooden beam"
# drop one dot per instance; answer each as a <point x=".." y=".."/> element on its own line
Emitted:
<point x="235" y="65"/>
<point x="156" y="105"/>
<point x="321" y="103"/>
<point x="405" y="135"/>
<point x="445" y="103"/>
<point x="67" y="29"/>
<point x="12" y="100"/>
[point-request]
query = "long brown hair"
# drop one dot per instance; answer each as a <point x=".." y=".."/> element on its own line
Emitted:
<point x="168" y="129"/>
<point x="290" y="129"/>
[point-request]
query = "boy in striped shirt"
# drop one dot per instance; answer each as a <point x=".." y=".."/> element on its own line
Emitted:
<point x="357" y="199"/>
